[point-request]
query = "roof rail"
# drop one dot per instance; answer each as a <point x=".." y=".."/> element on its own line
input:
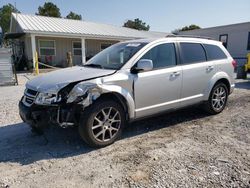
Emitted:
<point x="191" y="36"/>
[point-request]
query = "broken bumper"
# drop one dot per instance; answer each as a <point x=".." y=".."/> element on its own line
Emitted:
<point x="25" y="113"/>
<point x="43" y="116"/>
<point x="35" y="117"/>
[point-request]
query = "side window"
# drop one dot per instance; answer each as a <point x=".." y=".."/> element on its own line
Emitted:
<point x="192" y="53"/>
<point x="77" y="48"/>
<point x="162" y="55"/>
<point x="214" y="52"/>
<point x="47" y="47"/>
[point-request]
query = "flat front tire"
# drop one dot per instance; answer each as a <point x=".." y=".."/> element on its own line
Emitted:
<point x="102" y="123"/>
<point x="217" y="99"/>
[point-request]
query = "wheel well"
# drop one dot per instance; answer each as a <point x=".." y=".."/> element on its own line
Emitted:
<point x="118" y="98"/>
<point x="224" y="81"/>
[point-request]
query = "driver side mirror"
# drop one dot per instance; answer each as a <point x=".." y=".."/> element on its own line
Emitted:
<point x="143" y="65"/>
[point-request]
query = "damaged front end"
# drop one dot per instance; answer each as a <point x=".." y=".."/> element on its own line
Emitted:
<point x="62" y="107"/>
<point x="84" y="94"/>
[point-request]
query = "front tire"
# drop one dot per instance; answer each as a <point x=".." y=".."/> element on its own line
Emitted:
<point x="102" y="123"/>
<point x="217" y="99"/>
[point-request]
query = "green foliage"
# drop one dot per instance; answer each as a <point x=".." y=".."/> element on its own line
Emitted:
<point x="136" y="24"/>
<point x="5" y="16"/>
<point x="186" y="28"/>
<point x="190" y="27"/>
<point x="49" y="9"/>
<point x="74" y="16"/>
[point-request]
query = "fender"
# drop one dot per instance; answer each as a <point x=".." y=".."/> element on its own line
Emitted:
<point x="215" y="78"/>
<point x="123" y="92"/>
<point x="95" y="89"/>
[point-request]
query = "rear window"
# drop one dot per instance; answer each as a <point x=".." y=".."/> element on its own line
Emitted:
<point x="214" y="52"/>
<point x="192" y="53"/>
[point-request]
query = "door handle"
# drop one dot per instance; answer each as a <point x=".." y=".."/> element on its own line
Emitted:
<point x="175" y="74"/>
<point x="209" y="68"/>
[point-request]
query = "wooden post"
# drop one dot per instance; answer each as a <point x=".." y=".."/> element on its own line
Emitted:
<point x="69" y="59"/>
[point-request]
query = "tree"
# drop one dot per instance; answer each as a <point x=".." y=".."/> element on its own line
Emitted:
<point x="49" y="9"/>
<point x="186" y="28"/>
<point x="136" y="24"/>
<point x="190" y="27"/>
<point x="5" y="16"/>
<point x="74" y="16"/>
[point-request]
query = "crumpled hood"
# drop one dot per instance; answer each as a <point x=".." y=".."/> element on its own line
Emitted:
<point x="56" y="80"/>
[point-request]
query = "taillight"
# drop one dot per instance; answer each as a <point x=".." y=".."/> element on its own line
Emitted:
<point x="234" y="63"/>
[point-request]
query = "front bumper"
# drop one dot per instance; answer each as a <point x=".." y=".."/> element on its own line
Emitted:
<point x="25" y="113"/>
<point x="39" y="117"/>
<point x="43" y="116"/>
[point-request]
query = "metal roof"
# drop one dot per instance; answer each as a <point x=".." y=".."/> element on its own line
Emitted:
<point x="61" y="26"/>
<point x="221" y="27"/>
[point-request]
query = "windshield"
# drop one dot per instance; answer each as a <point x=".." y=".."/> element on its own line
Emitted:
<point x="115" y="56"/>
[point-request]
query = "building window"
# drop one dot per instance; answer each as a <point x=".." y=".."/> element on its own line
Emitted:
<point x="105" y="45"/>
<point x="47" y="47"/>
<point x="77" y="48"/>
<point x="223" y="38"/>
<point x="248" y="42"/>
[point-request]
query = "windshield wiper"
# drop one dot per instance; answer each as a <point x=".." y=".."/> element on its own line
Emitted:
<point x="94" y="65"/>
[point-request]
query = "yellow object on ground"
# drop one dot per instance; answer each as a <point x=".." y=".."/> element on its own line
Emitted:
<point x="248" y="62"/>
<point x="36" y="68"/>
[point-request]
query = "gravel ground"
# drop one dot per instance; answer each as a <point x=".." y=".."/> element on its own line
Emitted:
<point x="187" y="148"/>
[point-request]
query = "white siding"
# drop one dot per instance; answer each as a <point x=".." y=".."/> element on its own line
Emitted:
<point x="64" y="45"/>
<point x="237" y="37"/>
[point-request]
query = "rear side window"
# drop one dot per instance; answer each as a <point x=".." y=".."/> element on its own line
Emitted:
<point x="162" y="55"/>
<point x="192" y="53"/>
<point x="214" y="52"/>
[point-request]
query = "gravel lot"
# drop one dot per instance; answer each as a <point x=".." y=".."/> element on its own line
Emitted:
<point x="187" y="148"/>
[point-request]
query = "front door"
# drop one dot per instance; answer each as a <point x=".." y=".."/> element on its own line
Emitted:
<point x="159" y="89"/>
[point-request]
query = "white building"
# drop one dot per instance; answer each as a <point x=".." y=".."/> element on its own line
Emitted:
<point x="52" y="38"/>
<point x="235" y="37"/>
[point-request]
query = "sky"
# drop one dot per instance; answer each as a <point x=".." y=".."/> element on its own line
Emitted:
<point x="161" y="15"/>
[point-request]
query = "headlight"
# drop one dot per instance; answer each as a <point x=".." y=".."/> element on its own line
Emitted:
<point x="45" y="98"/>
<point x="79" y="90"/>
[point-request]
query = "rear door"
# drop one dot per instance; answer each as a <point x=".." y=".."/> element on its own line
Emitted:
<point x="197" y="72"/>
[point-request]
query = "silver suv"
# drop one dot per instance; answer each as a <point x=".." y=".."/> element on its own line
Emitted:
<point x="129" y="81"/>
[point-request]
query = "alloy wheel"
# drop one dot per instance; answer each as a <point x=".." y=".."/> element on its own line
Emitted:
<point x="219" y="98"/>
<point x="106" y="124"/>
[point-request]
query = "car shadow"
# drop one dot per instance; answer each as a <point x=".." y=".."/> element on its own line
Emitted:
<point x="163" y="121"/>
<point x="19" y="145"/>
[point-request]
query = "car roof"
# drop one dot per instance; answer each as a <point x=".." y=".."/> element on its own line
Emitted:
<point x="176" y="39"/>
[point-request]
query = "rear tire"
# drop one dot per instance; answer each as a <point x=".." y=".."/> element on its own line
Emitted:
<point x="217" y="99"/>
<point x="101" y="123"/>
